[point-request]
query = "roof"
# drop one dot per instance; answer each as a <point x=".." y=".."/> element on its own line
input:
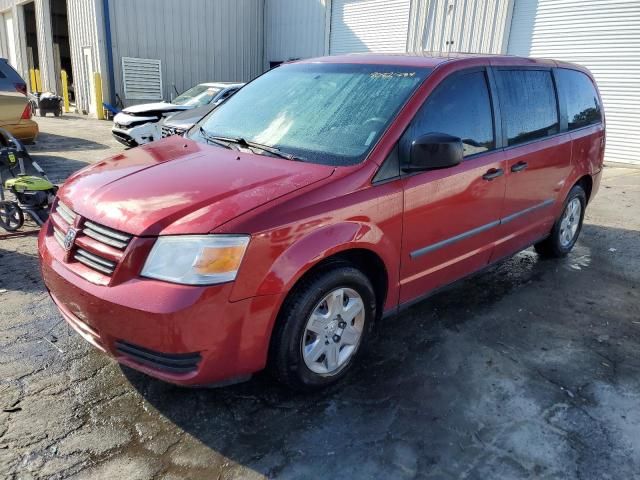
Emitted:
<point x="433" y="59"/>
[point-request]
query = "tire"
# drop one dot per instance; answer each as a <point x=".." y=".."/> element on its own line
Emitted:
<point x="294" y="344"/>
<point x="11" y="216"/>
<point x="562" y="238"/>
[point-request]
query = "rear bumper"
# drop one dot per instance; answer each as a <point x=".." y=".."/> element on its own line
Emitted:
<point x="179" y="334"/>
<point x="25" y="130"/>
<point x="595" y="184"/>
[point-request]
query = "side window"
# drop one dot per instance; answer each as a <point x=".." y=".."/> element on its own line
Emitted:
<point x="577" y="90"/>
<point x="459" y="106"/>
<point x="528" y="104"/>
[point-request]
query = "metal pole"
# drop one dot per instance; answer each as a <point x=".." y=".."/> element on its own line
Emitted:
<point x="65" y="90"/>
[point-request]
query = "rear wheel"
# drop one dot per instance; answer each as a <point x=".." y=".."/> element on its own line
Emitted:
<point x="11" y="216"/>
<point x="323" y="327"/>
<point x="566" y="230"/>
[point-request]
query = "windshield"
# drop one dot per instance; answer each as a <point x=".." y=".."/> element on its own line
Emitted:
<point x="323" y="113"/>
<point x="197" y="96"/>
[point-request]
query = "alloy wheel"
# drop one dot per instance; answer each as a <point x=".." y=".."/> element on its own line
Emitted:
<point x="570" y="222"/>
<point x="333" y="331"/>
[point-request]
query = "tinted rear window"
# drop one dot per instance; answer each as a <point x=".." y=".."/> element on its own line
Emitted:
<point x="528" y="102"/>
<point x="577" y="90"/>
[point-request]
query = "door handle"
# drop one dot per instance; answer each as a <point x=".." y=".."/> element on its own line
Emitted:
<point x="492" y="174"/>
<point x="520" y="166"/>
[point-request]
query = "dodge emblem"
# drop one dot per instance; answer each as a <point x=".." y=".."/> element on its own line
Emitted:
<point x="70" y="238"/>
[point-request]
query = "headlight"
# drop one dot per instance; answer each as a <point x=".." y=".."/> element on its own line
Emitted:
<point x="196" y="259"/>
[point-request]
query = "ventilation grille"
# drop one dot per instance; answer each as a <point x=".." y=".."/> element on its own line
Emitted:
<point x="142" y="78"/>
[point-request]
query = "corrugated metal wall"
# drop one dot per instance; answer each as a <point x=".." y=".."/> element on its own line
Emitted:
<point x="369" y="26"/>
<point x="459" y="25"/>
<point x="604" y="36"/>
<point x="43" y="29"/>
<point x="10" y="6"/>
<point x="86" y="30"/>
<point x="4" y="47"/>
<point x="196" y="40"/>
<point x="294" y="29"/>
<point x="297" y="28"/>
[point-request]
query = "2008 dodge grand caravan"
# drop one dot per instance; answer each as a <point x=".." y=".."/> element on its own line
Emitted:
<point x="323" y="196"/>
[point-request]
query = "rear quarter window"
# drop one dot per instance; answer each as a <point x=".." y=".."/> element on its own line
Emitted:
<point x="528" y="103"/>
<point x="579" y="94"/>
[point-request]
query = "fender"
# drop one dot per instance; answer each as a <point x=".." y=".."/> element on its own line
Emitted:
<point x="307" y="250"/>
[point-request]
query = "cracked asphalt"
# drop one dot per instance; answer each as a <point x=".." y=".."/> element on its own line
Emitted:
<point x="528" y="370"/>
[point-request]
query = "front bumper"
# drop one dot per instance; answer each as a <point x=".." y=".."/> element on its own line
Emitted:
<point x="180" y="334"/>
<point x="139" y="135"/>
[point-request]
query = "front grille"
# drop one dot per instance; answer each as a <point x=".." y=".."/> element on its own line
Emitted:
<point x="106" y="235"/>
<point x="169" y="131"/>
<point x="168" y="362"/>
<point x="94" y="261"/>
<point x="96" y="246"/>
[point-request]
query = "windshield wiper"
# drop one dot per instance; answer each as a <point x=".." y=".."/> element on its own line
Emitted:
<point x="259" y="146"/>
<point x="217" y="140"/>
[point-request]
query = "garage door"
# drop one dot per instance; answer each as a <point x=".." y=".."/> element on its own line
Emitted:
<point x="604" y="36"/>
<point x="369" y="26"/>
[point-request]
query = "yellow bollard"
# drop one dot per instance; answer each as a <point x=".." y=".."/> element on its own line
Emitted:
<point x="38" y="80"/>
<point x="97" y="85"/>
<point x="65" y="90"/>
<point x="32" y="80"/>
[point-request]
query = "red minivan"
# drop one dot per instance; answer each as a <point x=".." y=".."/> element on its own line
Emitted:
<point x="323" y="196"/>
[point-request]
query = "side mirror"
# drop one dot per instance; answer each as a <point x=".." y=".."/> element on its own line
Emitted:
<point x="433" y="151"/>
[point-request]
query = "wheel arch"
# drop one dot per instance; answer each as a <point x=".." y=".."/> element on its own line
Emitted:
<point x="365" y="260"/>
<point x="586" y="182"/>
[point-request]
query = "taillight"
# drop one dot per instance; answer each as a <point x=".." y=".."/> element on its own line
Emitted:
<point x="22" y="88"/>
<point x="26" y="115"/>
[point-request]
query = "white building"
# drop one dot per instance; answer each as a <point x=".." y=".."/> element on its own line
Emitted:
<point x="151" y="48"/>
<point x="144" y="49"/>
<point x="603" y="35"/>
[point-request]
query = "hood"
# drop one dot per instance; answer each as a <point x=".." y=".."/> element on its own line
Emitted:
<point x="178" y="186"/>
<point x="154" y="108"/>
<point x="189" y="118"/>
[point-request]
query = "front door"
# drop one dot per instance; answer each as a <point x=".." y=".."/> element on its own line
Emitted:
<point x="451" y="215"/>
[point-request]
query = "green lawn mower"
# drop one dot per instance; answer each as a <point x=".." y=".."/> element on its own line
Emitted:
<point x="33" y="194"/>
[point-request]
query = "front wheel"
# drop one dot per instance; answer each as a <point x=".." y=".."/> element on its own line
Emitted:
<point x="566" y="230"/>
<point x="322" y="328"/>
<point x="11" y="216"/>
